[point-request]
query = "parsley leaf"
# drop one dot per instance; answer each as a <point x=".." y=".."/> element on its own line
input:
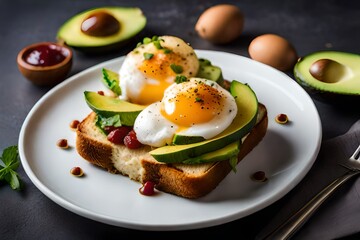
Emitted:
<point x="148" y="56"/>
<point x="176" y="68"/>
<point x="10" y="163"/>
<point x="180" y="79"/>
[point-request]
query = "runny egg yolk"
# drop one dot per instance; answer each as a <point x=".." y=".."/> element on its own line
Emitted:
<point x="194" y="105"/>
<point x="160" y="75"/>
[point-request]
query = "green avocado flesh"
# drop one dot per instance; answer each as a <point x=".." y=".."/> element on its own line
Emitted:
<point x="109" y="106"/>
<point x="132" y="21"/>
<point x="222" y="154"/>
<point x="209" y="71"/>
<point x="340" y="75"/>
<point x="244" y="121"/>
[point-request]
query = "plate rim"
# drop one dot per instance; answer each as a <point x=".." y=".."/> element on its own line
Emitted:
<point x="143" y="226"/>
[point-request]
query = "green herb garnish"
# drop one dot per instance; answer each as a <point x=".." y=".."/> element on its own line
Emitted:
<point x="148" y="56"/>
<point x="180" y="79"/>
<point x="103" y="122"/>
<point x="167" y="51"/>
<point x="9" y="163"/>
<point x="147" y="40"/>
<point x="176" y="68"/>
<point x="157" y="44"/>
<point x="154" y="39"/>
<point x="198" y="99"/>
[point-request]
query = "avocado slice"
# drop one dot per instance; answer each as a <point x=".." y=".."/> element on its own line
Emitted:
<point x="111" y="81"/>
<point x="109" y="106"/>
<point x="131" y="22"/>
<point x="244" y="121"/>
<point x="209" y="71"/>
<point x="330" y="75"/>
<point x="221" y="154"/>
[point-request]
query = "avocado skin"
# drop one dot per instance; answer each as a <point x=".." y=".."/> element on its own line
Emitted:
<point x="327" y="92"/>
<point x="221" y="154"/>
<point x="181" y="139"/>
<point x="71" y="35"/>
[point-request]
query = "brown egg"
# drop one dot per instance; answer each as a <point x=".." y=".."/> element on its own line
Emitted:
<point x="273" y="50"/>
<point x="220" y="24"/>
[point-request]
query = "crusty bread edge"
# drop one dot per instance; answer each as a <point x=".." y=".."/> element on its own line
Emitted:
<point x="170" y="179"/>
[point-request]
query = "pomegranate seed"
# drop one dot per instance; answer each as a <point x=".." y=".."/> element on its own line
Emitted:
<point x="108" y="129"/>
<point x="62" y="143"/>
<point x="147" y="188"/>
<point x="117" y="135"/>
<point x="131" y="140"/>
<point x="259" y="176"/>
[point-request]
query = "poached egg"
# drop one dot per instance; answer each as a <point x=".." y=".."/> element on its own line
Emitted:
<point x="197" y="107"/>
<point x="153" y="66"/>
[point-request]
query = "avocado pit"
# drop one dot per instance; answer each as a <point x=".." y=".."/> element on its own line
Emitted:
<point x="100" y="24"/>
<point x="329" y="71"/>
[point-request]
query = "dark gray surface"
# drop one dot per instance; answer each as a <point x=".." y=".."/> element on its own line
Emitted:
<point x="309" y="25"/>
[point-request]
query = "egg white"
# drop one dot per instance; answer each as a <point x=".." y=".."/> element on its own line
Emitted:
<point x="153" y="129"/>
<point x="132" y="80"/>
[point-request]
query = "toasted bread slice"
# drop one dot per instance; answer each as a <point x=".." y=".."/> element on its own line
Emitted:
<point x="189" y="181"/>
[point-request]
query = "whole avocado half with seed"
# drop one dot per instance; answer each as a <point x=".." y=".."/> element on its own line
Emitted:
<point x="330" y="76"/>
<point x="102" y="29"/>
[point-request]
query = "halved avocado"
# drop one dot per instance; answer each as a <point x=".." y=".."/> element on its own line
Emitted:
<point x="244" y="121"/>
<point x="330" y="75"/>
<point x="124" y="23"/>
<point x="109" y="106"/>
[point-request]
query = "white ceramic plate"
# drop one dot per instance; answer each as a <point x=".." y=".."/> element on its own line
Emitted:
<point x="286" y="154"/>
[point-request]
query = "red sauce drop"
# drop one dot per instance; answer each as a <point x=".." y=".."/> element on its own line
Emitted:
<point x="147" y="188"/>
<point x="45" y="55"/>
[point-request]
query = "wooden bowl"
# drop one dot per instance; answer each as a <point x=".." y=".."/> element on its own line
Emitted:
<point x="48" y="75"/>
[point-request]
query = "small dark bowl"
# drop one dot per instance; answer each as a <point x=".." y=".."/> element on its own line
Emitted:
<point x="45" y="75"/>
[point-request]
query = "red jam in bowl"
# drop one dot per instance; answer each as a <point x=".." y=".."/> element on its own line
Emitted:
<point x="45" y="55"/>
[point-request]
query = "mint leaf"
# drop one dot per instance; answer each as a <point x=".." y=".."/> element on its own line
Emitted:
<point x="13" y="179"/>
<point x="3" y="172"/>
<point x="10" y="155"/>
<point x="11" y="162"/>
<point x="176" y="68"/>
